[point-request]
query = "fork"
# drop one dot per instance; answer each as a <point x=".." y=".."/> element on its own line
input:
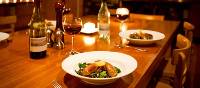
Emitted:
<point x="139" y="49"/>
<point x="55" y="84"/>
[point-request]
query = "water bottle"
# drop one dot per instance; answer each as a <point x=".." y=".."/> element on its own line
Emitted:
<point x="104" y="20"/>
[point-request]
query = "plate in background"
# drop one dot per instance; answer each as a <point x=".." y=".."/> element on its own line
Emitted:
<point x="3" y="36"/>
<point x="157" y="36"/>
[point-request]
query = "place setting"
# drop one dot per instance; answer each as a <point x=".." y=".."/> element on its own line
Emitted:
<point x="140" y="39"/>
<point x="99" y="67"/>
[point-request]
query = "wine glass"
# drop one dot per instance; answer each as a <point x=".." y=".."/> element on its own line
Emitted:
<point x="122" y="14"/>
<point x="73" y="27"/>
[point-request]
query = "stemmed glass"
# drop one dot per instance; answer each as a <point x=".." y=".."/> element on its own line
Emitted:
<point x="122" y="14"/>
<point x="73" y="27"/>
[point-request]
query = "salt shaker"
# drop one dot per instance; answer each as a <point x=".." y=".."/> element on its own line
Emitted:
<point x="58" y="43"/>
<point x="49" y="33"/>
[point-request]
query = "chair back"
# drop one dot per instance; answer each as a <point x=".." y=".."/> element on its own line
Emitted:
<point x="181" y="60"/>
<point x="181" y="70"/>
<point x="188" y="28"/>
<point x="183" y="44"/>
<point x="146" y="17"/>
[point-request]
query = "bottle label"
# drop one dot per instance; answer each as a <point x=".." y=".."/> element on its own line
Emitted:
<point x="38" y="44"/>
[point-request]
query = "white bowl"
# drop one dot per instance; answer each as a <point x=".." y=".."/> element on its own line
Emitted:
<point x="3" y="36"/>
<point x="157" y="36"/>
<point x="125" y="63"/>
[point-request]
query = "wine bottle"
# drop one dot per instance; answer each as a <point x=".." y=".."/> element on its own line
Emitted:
<point x="104" y="20"/>
<point x="37" y="33"/>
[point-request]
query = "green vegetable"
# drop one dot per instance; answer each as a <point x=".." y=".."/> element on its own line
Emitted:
<point x="103" y="74"/>
<point x="82" y="65"/>
<point x="118" y="70"/>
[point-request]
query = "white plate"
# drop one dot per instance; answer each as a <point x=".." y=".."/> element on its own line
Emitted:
<point x="3" y="36"/>
<point x="157" y="36"/>
<point x="85" y="31"/>
<point x="125" y="63"/>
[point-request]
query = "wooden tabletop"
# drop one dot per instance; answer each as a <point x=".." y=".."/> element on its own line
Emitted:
<point x="17" y="69"/>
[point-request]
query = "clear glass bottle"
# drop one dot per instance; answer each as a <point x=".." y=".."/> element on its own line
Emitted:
<point x="104" y="20"/>
<point x="37" y="33"/>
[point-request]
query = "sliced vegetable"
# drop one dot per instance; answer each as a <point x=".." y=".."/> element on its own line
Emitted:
<point x="111" y="70"/>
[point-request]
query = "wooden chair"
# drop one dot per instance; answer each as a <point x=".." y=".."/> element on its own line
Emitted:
<point x="174" y="73"/>
<point x="7" y="24"/>
<point x="133" y="16"/>
<point x="188" y="28"/>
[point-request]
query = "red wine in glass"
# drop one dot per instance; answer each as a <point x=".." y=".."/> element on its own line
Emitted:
<point x="122" y="17"/>
<point x="72" y="29"/>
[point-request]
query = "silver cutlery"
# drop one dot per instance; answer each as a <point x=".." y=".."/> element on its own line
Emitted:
<point x="139" y="49"/>
<point x="55" y="84"/>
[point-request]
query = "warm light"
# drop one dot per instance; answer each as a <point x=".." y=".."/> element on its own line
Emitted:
<point x="14" y="1"/>
<point x="7" y="1"/>
<point x="89" y="40"/>
<point x="122" y="11"/>
<point x="180" y="0"/>
<point x="88" y="28"/>
<point x="1" y="1"/>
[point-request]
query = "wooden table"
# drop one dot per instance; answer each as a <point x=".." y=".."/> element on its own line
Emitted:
<point x="18" y="70"/>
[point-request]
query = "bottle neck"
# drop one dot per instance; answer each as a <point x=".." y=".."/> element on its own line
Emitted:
<point x="37" y="7"/>
<point x="36" y="17"/>
<point x="103" y="5"/>
<point x="59" y="20"/>
<point x="59" y="11"/>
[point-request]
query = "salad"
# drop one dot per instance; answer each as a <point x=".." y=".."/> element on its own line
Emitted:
<point x="98" y="69"/>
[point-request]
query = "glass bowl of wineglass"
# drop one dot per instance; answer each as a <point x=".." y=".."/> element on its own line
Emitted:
<point x="73" y="27"/>
<point x="122" y="14"/>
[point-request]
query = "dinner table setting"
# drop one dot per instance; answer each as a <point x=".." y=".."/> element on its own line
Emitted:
<point x="91" y="51"/>
<point x="135" y="59"/>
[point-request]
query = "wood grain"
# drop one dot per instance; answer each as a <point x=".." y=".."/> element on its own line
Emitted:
<point x="20" y="71"/>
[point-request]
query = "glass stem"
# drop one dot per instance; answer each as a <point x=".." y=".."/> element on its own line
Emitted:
<point x="73" y="42"/>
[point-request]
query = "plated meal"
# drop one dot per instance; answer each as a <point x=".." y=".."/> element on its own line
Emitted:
<point x="142" y="37"/>
<point x="99" y="67"/>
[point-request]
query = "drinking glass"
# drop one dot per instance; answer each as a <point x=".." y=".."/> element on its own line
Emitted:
<point x="73" y="27"/>
<point x="122" y="14"/>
